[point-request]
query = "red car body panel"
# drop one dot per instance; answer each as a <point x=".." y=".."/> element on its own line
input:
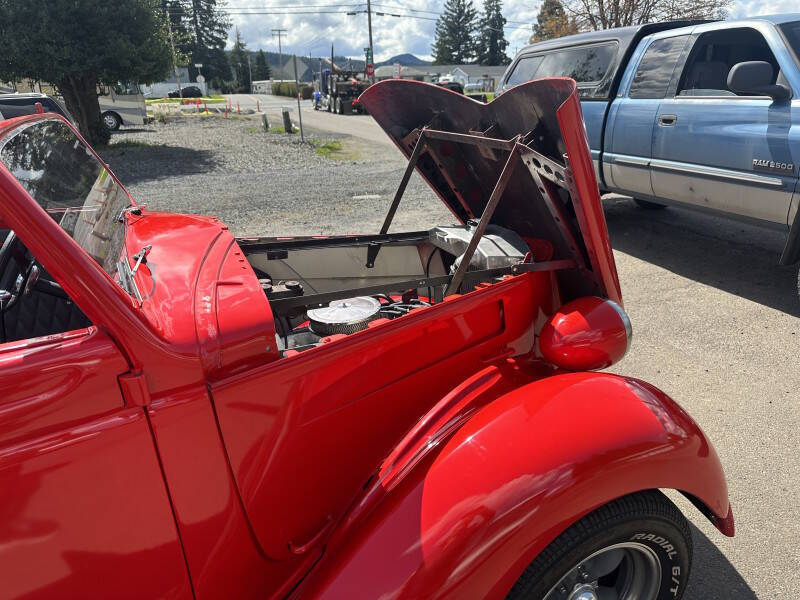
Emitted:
<point x="291" y="438"/>
<point x="475" y="507"/>
<point x="170" y="449"/>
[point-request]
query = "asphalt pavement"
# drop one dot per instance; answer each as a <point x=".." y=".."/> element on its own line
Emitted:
<point x="716" y="325"/>
<point x="361" y="126"/>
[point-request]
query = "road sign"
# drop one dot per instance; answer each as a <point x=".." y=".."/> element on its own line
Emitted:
<point x="370" y="70"/>
<point x="198" y="65"/>
<point x="200" y="79"/>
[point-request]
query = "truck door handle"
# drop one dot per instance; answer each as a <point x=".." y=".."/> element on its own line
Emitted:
<point x="667" y="120"/>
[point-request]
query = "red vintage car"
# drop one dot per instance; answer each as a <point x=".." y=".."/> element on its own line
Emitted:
<point x="390" y="415"/>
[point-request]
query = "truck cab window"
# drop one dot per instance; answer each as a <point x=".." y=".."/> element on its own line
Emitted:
<point x="655" y="70"/>
<point x="587" y="65"/>
<point x="525" y="70"/>
<point x="713" y="56"/>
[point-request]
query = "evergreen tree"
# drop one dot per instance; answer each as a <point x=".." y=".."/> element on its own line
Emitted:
<point x="210" y="34"/>
<point x="491" y="43"/>
<point x="552" y="22"/>
<point x="261" y="70"/>
<point x="455" y="33"/>
<point x="71" y="45"/>
<point x="178" y="16"/>
<point x="239" y="55"/>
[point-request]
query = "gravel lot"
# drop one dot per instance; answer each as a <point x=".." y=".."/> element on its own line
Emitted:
<point x="268" y="183"/>
<point x="715" y="318"/>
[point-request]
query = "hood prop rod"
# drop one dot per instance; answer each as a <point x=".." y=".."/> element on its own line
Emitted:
<point x="486" y="216"/>
<point x="424" y="133"/>
<point x="373" y="249"/>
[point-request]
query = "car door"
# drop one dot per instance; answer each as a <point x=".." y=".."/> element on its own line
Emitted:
<point x="629" y="137"/>
<point x="85" y="511"/>
<point x="713" y="148"/>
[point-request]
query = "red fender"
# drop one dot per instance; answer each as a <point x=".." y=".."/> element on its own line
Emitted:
<point x="495" y="472"/>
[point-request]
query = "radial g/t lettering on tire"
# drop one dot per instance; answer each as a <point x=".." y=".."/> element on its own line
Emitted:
<point x="637" y="546"/>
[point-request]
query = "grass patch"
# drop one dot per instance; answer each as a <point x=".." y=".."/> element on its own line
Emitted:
<point x="214" y="99"/>
<point x="327" y="148"/>
<point x="131" y="144"/>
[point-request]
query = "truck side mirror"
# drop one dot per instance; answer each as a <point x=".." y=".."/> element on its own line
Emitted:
<point x="755" y="77"/>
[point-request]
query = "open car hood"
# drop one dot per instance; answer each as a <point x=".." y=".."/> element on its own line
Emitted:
<point x="551" y="193"/>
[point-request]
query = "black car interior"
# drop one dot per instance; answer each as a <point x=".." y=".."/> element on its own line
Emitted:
<point x="31" y="304"/>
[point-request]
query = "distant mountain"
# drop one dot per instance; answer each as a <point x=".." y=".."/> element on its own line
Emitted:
<point x="407" y="60"/>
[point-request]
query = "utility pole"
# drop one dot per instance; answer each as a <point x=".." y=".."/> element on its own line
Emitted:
<point x="371" y="49"/>
<point x="279" y="32"/>
<point x="250" y="69"/>
<point x="174" y="60"/>
<point x="297" y="89"/>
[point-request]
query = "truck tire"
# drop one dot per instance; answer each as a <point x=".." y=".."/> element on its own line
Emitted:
<point x="637" y="546"/>
<point x="798" y="284"/>
<point x="647" y="205"/>
<point x="339" y="106"/>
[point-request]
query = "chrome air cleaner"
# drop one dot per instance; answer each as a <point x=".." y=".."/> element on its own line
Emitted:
<point x="343" y="316"/>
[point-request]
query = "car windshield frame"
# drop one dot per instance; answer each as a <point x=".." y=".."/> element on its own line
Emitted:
<point x="63" y="175"/>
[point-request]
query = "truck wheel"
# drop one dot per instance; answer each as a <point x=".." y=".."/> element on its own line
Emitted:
<point x="111" y="120"/>
<point x="647" y="205"/>
<point x="798" y="283"/>
<point x="339" y="106"/>
<point x="638" y="546"/>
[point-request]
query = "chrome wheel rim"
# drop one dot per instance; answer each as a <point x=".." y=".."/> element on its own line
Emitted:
<point x="627" y="571"/>
<point x="110" y="121"/>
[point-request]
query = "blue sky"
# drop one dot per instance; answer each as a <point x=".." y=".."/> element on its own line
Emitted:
<point x="391" y="35"/>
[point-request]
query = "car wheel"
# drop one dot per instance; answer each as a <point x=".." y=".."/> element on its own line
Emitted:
<point x="647" y="205"/>
<point x="638" y="546"/>
<point x="111" y="121"/>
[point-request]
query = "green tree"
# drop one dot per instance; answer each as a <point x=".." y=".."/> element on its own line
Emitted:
<point x="455" y="33"/>
<point x="210" y="26"/>
<point x="239" y="56"/>
<point x="491" y="42"/>
<point x="261" y="70"/>
<point x="71" y="45"/>
<point x="177" y="12"/>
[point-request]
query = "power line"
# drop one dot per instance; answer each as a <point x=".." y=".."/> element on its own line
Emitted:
<point x="300" y="9"/>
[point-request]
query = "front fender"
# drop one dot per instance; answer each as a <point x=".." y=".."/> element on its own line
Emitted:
<point x="477" y="507"/>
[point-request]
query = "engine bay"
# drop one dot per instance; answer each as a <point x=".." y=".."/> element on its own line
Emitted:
<point x="320" y="287"/>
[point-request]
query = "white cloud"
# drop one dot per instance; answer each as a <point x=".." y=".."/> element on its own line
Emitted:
<point x="391" y="35"/>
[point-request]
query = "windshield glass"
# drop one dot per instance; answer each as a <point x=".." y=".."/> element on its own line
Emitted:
<point x="792" y="33"/>
<point x="71" y="185"/>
